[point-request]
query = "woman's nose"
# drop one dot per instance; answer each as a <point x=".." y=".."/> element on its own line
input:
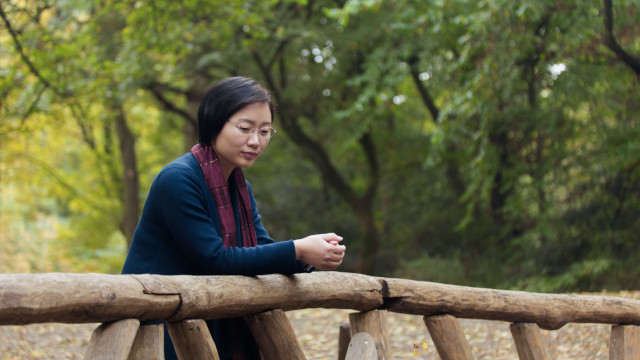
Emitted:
<point x="254" y="138"/>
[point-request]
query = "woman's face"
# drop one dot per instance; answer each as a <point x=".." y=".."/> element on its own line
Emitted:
<point x="243" y="138"/>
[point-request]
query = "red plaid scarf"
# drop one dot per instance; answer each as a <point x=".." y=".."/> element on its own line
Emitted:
<point x="217" y="184"/>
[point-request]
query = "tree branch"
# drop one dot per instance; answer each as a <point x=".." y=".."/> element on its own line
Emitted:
<point x="369" y="147"/>
<point x="60" y="180"/>
<point x="278" y="52"/>
<point x="424" y="93"/>
<point x="611" y="42"/>
<point x="313" y="149"/>
<point x="320" y="159"/>
<point x="18" y="45"/>
<point x="265" y="71"/>
<point x="87" y="135"/>
<point x="169" y="88"/>
<point x="155" y="89"/>
<point x="33" y="105"/>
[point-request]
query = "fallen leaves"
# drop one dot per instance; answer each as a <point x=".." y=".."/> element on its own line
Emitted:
<point x="45" y="341"/>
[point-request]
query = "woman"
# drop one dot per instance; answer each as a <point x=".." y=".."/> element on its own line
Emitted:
<point x="200" y="217"/>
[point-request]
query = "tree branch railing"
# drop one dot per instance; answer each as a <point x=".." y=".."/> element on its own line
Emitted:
<point x="122" y="302"/>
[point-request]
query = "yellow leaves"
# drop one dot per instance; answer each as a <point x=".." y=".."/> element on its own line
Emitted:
<point x="44" y="341"/>
<point x="36" y="353"/>
<point x="416" y="348"/>
<point x="188" y="36"/>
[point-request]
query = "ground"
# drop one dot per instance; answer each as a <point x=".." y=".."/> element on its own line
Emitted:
<point x="317" y="331"/>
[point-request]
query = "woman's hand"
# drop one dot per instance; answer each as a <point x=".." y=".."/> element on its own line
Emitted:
<point x="321" y="251"/>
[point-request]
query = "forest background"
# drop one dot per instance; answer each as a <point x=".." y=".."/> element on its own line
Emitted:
<point x="486" y="143"/>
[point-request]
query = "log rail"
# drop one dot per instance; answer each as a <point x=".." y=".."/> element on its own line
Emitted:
<point x="122" y="302"/>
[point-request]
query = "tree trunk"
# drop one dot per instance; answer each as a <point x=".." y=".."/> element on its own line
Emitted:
<point x="190" y="126"/>
<point x="130" y="178"/>
<point x="370" y="245"/>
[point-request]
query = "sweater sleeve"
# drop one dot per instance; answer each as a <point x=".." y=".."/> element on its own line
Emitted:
<point x="181" y="203"/>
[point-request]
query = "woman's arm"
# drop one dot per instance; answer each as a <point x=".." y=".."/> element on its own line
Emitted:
<point x="181" y="203"/>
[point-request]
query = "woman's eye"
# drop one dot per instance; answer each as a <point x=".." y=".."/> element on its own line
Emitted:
<point x="244" y="129"/>
<point x="264" y="132"/>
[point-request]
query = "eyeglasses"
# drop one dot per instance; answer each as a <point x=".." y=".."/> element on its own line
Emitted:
<point x="265" y="132"/>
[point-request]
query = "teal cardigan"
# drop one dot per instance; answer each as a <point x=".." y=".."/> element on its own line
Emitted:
<point x="179" y="234"/>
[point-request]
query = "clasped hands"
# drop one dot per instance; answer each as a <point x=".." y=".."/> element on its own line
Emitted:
<point x="322" y="251"/>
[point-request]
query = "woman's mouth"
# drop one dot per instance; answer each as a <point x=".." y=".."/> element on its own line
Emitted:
<point x="249" y="155"/>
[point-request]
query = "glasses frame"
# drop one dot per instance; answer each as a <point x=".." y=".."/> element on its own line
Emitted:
<point x="254" y="130"/>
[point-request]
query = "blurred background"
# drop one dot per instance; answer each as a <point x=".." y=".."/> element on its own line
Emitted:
<point x="484" y="143"/>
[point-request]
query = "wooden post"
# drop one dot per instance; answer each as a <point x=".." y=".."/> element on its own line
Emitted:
<point x="376" y="324"/>
<point x="149" y="343"/>
<point x="275" y="336"/>
<point x="624" y="343"/>
<point x="344" y="338"/>
<point x="528" y="342"/>
<point x="192" y="340"/>
<point x="448" y="337"/>
<point x="362" y="347"/>
<point x="112" y="340"/>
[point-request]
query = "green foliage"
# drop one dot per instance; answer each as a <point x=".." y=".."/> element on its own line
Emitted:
<point x="505" y="133"/>
<point x="427" y="268"/>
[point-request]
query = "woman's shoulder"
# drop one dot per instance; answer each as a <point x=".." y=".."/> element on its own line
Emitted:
<point x="185" y="163"/>
<point x="180" y="169"/>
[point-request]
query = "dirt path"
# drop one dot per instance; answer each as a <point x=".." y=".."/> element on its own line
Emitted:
<point x="317" y="331"/>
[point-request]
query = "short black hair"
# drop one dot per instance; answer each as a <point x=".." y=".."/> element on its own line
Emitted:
<point x="225" y="98"/>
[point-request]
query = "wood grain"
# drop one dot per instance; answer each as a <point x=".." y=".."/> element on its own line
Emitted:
<point x="549" y="311"/>
<point x="275" y="336"/>
<point x="192" y="340"/>
<point x="528" y="342"/>
<point x="448" y="337"/>
<point x="101" y="298"/>
<point x="344" y="338"/>
<point x="112" y="341"/>
<point x="624" y="343"/>
<point x="376" y="324"/>
<point x="148" y="343"/>
<point x="362" y="347"/>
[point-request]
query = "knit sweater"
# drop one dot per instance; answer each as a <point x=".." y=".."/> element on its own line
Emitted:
<point x="179" y="234"/>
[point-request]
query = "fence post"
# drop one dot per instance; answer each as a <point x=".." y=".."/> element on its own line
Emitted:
<point x="149" y="343"/>
<point x="362" y="347"/>
<point x="448" y="337"/>
<point x="375" y="323"/>
<point x="275" y="336"/>
<point x="112" y="340"/>
<point x="528" y="342"/>
<point x="624" y="342"/>
<point x="192" y="340"/>
<point x="344" y="338"/>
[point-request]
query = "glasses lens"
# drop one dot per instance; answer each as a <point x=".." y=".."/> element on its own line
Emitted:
<point x="267" y="132"/>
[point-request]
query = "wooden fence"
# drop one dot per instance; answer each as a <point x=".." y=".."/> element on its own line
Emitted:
<point x="122" y="302"/>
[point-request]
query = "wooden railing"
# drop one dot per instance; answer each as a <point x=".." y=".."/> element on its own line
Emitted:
<point x="122" y="302"/>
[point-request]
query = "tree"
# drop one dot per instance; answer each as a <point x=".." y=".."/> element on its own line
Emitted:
<point x="494" y="138"/>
